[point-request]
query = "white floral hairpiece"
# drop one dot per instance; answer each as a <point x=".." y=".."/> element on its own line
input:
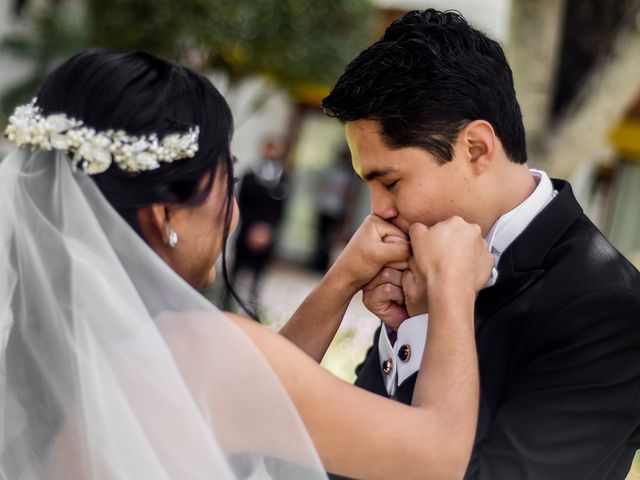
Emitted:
<point x="94" y="151"/>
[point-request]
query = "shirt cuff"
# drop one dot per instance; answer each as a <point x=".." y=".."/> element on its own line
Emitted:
<point x="401" y="360"/>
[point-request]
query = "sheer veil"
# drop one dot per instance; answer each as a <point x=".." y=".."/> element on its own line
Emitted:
<point x="112" y="366"/>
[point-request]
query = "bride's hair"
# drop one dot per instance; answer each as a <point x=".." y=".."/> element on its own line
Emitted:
<point x="141" y="94"/>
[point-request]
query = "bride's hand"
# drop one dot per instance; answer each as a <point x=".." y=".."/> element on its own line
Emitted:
<point x="451" y="253"/>
<point x="375" y="244"/>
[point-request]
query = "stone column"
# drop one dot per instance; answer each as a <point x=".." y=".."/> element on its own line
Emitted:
<point x="534" y="39"/>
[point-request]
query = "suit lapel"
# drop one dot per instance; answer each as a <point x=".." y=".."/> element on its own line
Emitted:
<point x="521" y="263"/>
<point x="509" y="285"/>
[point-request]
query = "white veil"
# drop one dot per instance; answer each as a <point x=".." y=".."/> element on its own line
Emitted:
<point x="112" y="367"/>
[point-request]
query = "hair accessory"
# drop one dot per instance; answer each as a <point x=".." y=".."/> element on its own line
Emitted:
<point x="92" y="150"/>
<point x="173" y="238"/>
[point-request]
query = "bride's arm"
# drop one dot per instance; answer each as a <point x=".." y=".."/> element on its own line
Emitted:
<point x="367" y="436"/>
<point x="315" y="322"/>
<point x="363" y="435"/>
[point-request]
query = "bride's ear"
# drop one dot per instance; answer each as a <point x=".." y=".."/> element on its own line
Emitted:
<point x="153" y="221"/>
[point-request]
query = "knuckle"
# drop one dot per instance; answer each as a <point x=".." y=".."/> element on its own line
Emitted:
<point x="386" y="274"/>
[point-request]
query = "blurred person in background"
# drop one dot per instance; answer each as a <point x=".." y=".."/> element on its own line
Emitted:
<point x="262" y="199"/>
<point x="334" y="190"/>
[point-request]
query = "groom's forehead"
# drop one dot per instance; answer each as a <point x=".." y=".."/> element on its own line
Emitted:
<point x="369" y="169"/>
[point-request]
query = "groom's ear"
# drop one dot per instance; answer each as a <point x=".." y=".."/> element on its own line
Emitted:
<point x="153" y="221"/>
<point x="478" y="142"/>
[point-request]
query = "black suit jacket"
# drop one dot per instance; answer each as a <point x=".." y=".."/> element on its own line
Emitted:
<point x="559" y="349"/>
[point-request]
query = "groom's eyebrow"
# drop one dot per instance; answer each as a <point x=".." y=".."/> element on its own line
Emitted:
<point x="379" y="173"/>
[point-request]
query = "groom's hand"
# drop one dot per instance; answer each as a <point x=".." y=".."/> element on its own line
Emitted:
<point x="383" y="296"/>
<point x="414" y="287"/>
<point x="375" y="244"/>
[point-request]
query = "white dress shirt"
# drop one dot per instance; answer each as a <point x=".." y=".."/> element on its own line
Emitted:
<point x="402" y="359"/>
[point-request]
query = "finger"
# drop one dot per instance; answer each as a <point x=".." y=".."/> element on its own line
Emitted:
<point x="408" y="280"/>
<point x="413" y="266"/>
<point x="414" y="290"/>
<point x="385" y="228"/>
<point x="394" y="239"/>
<point x="416" y="270"/>
<point x="416" y="230"/>
<point x="386" y="293"/>
<point x="386" y="275"/>
<point x="393" y="253"/>
<point x="398" y="265"/>
<point x="394" y="316"/>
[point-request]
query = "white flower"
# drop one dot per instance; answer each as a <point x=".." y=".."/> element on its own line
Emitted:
<point x="60" y="142"/>
<point x="140" y="146"/>
<point x="58" y="123"/>
<point x="172" y="142"/>
<point x="96" y="159"/>
<point x="95" y="151"/>
<point x="100" y="140"/>
<point x="147" y="161"/>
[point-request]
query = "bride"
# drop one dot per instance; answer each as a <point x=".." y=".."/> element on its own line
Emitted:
<point x="112" y="215"/>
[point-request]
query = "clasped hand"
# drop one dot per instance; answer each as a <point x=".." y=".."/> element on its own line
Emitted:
<point x="394" y="270"/>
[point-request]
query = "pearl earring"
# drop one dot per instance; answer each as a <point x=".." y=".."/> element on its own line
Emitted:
<point x="173" y="238"/>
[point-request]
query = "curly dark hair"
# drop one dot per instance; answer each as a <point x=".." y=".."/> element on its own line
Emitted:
<point x="429" y="75"/>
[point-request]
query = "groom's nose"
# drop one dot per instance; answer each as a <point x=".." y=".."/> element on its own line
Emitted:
<point x="382" y="206"/>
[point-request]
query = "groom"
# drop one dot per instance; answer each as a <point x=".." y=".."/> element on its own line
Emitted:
<point x="435" y="130"/>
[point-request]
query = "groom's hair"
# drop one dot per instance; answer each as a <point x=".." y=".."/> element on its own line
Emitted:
<point x="429" y="75"/>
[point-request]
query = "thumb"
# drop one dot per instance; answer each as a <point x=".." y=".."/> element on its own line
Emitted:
<point x="395" y="253"/>
<point x="408" y="278"/>
<point x="394" y="239"/>
<point x="416" y="230"/>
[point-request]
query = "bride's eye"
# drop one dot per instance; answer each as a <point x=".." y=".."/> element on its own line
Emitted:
<point x="391" y="185"/>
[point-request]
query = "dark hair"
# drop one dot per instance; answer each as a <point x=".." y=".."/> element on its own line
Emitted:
<point x="429" y="75"/>
<point x="142" y="94"/>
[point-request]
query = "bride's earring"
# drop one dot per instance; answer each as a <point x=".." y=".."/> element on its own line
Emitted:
<point x="172" y="241"/>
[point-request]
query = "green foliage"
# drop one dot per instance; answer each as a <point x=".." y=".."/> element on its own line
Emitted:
<point x="294" y="42"/>
<point x="53" y="35"/>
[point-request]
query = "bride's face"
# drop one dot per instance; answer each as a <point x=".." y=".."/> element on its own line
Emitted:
<point x="200" y="233"/>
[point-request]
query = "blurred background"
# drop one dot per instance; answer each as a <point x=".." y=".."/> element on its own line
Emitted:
<point x="577" y="70"/>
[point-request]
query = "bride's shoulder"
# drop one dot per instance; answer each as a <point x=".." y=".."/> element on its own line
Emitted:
<point x="198" y="326"/>
<point x="194" y="337"/>
<point x="229" y="340"/>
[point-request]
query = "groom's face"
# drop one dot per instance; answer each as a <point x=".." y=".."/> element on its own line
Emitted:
<point x="407" y="185"/>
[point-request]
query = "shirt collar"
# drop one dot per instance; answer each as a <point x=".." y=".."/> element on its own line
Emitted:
<point x="510" y="225"/>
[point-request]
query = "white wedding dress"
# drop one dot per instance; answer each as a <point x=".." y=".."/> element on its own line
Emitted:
<point x="112" y="366"/>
